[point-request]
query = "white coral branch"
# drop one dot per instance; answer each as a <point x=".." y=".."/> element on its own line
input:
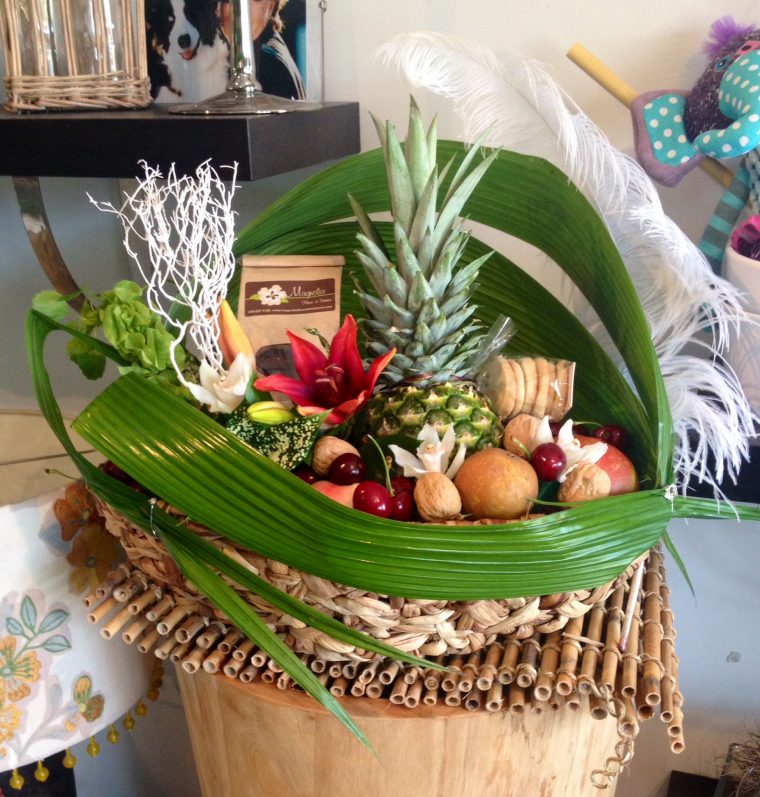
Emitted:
<point x="187" y="225"/>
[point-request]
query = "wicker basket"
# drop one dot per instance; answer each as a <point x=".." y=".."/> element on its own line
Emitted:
<point x="423" y="627"/>
<point x="74" y="54"/>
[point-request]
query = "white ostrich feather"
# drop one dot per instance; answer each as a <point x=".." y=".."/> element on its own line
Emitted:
<point x="516" y="105"/>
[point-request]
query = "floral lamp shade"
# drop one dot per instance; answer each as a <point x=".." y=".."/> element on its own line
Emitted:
<point x="60" y="681"/>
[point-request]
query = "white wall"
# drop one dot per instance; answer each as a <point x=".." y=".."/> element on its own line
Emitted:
<point x="651" y="45"/>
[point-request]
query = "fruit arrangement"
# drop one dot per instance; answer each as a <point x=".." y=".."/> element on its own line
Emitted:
<point x="435" y="470"/>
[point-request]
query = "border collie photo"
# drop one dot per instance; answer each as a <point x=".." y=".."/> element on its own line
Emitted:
<point x="188" y="55"/>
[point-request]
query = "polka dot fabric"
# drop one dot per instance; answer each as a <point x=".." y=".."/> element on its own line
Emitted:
<point x="663" y="118"/>
<point x="739" y="98"/>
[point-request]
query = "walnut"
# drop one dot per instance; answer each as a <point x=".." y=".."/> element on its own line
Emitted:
<point x="585" y="482"/>
<point x="518" y="433"/>
<point x="436" y="497"/>
<point x="326" y="450"/>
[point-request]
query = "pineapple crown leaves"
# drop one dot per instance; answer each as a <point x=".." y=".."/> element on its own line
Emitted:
<point x="420" y="302"/>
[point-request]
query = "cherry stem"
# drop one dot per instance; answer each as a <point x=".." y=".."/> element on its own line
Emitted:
<point x="388" y="485"/>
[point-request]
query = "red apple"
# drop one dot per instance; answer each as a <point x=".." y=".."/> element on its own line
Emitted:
<point x="342" y="493"/>
<point x="618" y="467"/>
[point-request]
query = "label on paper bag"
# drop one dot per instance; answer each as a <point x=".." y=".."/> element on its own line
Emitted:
<point x="281" y="293"/>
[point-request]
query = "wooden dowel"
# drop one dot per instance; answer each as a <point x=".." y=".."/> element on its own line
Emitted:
<point x="625" y="93"/>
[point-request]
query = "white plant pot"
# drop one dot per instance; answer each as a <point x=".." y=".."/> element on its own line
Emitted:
<point x="744" y="273"/>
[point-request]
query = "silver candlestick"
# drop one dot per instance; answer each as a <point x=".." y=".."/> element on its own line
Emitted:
<point x="243" y="94"/>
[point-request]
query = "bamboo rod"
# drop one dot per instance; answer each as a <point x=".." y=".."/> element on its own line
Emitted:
<point x="398" y="693"/>
<point x="101" y="610"/>
<point x="115" y="624"/>
<point x="139" y="604"/>
<point x="506" y="672"/>
<point x="591" y="647"/>
<point x="568" y="661"/>
<point x="178" y="652"/>
<point x="232" y="638"/>
<point x="495" y="699"/>
<point x="611" y="656"/>
<point x="232" y="668"/>
<point x="192" y="662"/>
<point x="516" y="699"/>
<point x="547" y="673"/>
<point x="156" y="612"/>
<point x="249" y="674"/>
<point x="414" y="693"/>
<point x="625" y="93"/>
<point x="214" y="661"/>
<point x="488" y="671"/>
<point x="244" y="651"/>
<point x="190" y="628"/>
<point x="168" y="623"/>
<point x="135" y="629"/>
<point x="164" y="649"/>
<point x="526" y="669"/>
<point x="146" y="643"/>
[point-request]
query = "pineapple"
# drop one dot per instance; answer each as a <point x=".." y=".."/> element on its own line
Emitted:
<point x="421" y="304"/>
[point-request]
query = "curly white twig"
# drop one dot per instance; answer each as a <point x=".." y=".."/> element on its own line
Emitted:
<point x="187" y="224"/>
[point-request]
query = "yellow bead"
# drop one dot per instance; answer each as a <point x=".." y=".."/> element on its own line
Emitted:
<point x="141" y="709"/>
<point x="69" y="760"/>
<point x="17" y="780"/>
<point x="41" y="773"/>
<point x="112" y="735"/>
<point x="153" y="694"/>
<point x="93" y="748"/>
<point x="129" y="722"/>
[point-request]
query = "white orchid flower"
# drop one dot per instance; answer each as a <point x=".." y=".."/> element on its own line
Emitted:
<point x="433" y="454"/>
<point x="223" y="391"/>
<point x="574" y="451"/>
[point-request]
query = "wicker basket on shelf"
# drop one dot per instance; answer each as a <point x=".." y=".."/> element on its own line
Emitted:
<point x="67" y="55"/>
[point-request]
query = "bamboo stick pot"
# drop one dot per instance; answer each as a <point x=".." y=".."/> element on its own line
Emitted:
<point x="255" y="739"/>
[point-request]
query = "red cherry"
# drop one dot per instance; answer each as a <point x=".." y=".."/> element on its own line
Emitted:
<point x="372" y="498"/>
<point x="612" y="434"/>
<point x="548" y="460"/>
<point x="306" y="474"/>
<point x="402" y="484"/>
<point x="402" y="505"/>
<point x="346" y="469"/>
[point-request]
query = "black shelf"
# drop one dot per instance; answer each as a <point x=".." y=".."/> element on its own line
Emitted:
<point x="110" y="143"/>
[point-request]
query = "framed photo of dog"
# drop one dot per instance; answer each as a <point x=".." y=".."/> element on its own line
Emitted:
<point x="189" y="51"/>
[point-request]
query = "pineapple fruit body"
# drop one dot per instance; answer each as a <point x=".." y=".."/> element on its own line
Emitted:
<point x="406" y="408"/>
<point x="419" y="302"/>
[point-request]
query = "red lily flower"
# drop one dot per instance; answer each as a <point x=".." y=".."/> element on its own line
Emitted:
<point x="337" y="382"/>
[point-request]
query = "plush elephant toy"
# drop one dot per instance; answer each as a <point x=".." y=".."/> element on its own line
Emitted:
<point x="719" y="117"/>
